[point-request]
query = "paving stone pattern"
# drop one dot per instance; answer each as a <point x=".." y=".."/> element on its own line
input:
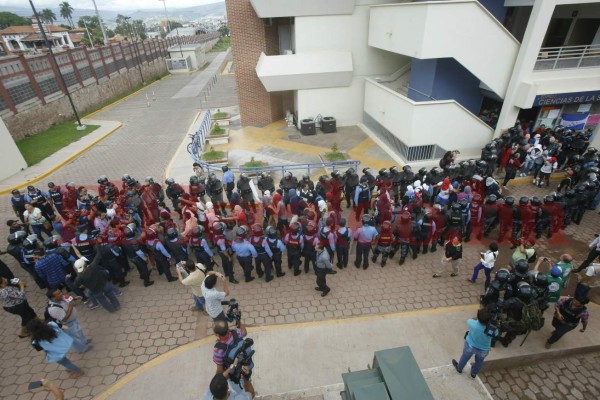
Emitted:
<point x="155" y="320"/>
<point x="570" y="378"/>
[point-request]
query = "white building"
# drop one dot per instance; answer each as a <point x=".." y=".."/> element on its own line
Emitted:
<point x="422" y="76"/>
<point x="28" y="38"/>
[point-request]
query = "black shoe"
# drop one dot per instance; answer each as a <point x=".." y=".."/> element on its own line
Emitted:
<point x="340" y="266"/>
<point x="233" y="281"/>
<point x="281" y="274"/>
<point x="433" y="249"/>
<point x="455" y="363"/>
<point x="260" y="275"/>
<point x="250" y="279"/>
<point x="319" y="289"/>
<point x="357" y="265"/>
<point x="332" y="272"/>
<point x="325" y="293"/>
<point x="366" y="266"/>
<point x="306" y="270"/>
<point x="124" y="283"/>
<point x="373" y="259"/>
<point x="415" y="256"/>
<point x="148" y="283"/>
<point x="401" y="261"/>
<point x="296" y="273"/>
<point x="172" y="279"/>
<point x="473" y="376"/>
<point x="269" y="279"/>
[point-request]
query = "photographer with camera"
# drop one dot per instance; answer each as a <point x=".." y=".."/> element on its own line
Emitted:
<point x="478" y="342"/>
<point x="233" y="356"/>
<point x="213" y="297"/>
<point x="220" y="389"/>
<point x="193" y="275"/>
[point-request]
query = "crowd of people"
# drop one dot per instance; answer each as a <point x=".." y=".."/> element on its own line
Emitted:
<point x="86" y="243"/>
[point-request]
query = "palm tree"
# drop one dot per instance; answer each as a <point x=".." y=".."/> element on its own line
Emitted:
<point x="66" y="11"/>
<point x="48" y="15"/>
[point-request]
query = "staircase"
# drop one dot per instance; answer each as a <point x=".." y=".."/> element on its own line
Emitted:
<point x="395" y="375"/>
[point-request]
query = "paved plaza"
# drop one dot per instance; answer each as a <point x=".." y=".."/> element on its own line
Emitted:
<point x="157" y="319"/>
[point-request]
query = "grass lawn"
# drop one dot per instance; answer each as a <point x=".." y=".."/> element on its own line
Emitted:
<point x="220" y="115"/>
<point x="217" y="130"/>
<point x="44" y="144"/>
<point x="223" y="44"/>
<point x="333" y="157"/>
<point x="253" y="164"/>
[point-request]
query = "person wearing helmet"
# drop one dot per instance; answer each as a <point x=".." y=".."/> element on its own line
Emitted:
<point x="455" y="223"/>
<point x="349" y="184"/>
<point x="294" y="242"/>
<point x="364" y="237"/>
<point x="550" y="164"/>
<point x="197" y="189"/>
<point x="506" y="211"/>
<point x="306" y="180"/>
<point x="134" y="253"/>
<point x="289" y="181"/>
<point x="385" y="240"/>
<point x="311" y="240"/>
<point x="510" y="170"/>
<point x="265" y="182"/>
<point x="214" y="190"/>
<point x="55" y="195"/>
<point x="106" y="189"/>
<point x="228" y="181"/>
<point x="224" y="250"/>
<point x="263" y="258"/>
<point x="522" y="313"/>
<point x="199" y="245"/>
<point x="343" y="240"/>
<point x="18" y="202"/>
<point x="245" y="252"/>
<point x="452" y="255"/>
<point x="15" y="241"/>
<point x="176" y="246"/>
<point x="486" y="262"/>
<point x="568" y="314"/>
<point x="40" y="199"/>
<point x="245" y="191"/>
<point x="277" y="248"/>
<point x="174" y="191"/>
<point x="162" y="256"/>
<point x="336" y="186"/>
<point x="362" y="198"/>
<point x="500" y="286"/>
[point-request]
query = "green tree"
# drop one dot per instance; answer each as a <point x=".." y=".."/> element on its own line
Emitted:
<point x="174" y="25"/>
<point x="131" y="28"/>
<point x="9" y="19"/>
<point x="66" y="11"/>
<point x="223" y="30"/>
<point x="48" y="16"/>
<point x="93" y="26"/>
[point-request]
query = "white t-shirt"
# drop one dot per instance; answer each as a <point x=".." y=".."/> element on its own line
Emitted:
<point x="33" y="217"/>
<point x="489" y="259"/>
<point x="548" y="167"/>
<point x="236" y="392"/>
<point x="213" y="301"/>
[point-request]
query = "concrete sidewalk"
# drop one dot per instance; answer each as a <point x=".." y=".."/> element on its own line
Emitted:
<point x="195" y="87"/>
<point x="294" y="358"/>
<point x="62" y="157"/>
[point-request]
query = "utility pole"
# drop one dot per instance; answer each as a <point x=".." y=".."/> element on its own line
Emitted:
<point x="170" y="30"/>
<point x="80" y="126"/>
<point x="101" y="24"/>
<point x="135" y="50"/>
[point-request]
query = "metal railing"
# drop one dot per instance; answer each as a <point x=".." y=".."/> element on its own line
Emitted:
<point x="568" y="57"/>
<point x="279" y="170"/>
<point x="406" y="89"/>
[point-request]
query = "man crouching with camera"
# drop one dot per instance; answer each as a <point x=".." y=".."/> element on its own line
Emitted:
<point x="233" y="357"/>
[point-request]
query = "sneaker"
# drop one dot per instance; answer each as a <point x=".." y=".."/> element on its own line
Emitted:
<point x="436" y="275"/>
<point x="233" y="281"/>
<point x="455" y="363"/>
<point x="318" y="288"/>
<point x="473" y="376"/>
<point x="325" y="293"/>
<point x="149" y="283"/>
<point x="470" y="281"/>
<point x="93" y="306"/>
<point x="453" y="274"/>
<point x="171" y="279"/>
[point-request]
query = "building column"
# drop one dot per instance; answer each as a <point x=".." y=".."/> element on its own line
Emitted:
<point x="526" y="59"/>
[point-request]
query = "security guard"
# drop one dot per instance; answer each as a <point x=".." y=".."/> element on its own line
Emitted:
<point x="365" y="237"/>
<point x="245" y="252"/>
<point x="349" y="183"/>
<point x="294" y="243"/>
<point x="243" y="187"/>
<point x="277" y="247"/>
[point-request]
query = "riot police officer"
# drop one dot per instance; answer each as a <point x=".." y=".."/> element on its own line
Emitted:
<point x="455" y="223"/>
<point x="214" y="190"/>
<point x="174" y="192"/>
<point x="403" y="235"/>
<point x="349" y="184"/>
<point x="243" y="187"/>
<point x="323" y="186"/>
<point x="396" y="178"/>
<point x="306" y="180"/>
<point x="265" y="182"/>
<point x="289" y="181"/>
<point x="135" y="255"/>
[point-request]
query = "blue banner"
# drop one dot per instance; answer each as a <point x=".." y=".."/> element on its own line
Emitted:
<point x="567" y="98"/>
<point x="575" y="122"/>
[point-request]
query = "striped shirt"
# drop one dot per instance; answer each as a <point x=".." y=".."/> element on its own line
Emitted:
<point x="219" y="354"/>
<point x="51" y="268"/>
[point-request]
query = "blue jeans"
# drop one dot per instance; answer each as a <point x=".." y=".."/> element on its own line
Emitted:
<point x="487" y="271"/>
<point x="107" y="298"/>
<point x="79" y="339"/>
<point x="469" y="351"/>
<point x="200" y="302"/>
<point x="65" y="362"/>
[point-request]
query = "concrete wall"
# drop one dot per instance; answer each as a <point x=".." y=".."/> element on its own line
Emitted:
<point x="40" y="118"/>
<point x="342" y="32"/>
<point x="11" y="160"/>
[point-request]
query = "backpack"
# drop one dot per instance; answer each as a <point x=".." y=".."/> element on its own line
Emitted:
<point x="231" y="350"/>
<point x="531" y="319"/>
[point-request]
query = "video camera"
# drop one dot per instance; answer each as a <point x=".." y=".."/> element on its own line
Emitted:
<point x="233" y="313"/>
<point x="494" y="327"/>
<point x="244" y="357"/>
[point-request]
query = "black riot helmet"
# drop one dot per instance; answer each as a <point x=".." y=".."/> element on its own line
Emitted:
<point x="172" y="233"/>
<point x="130" y="231"/>
<point x="350" y="171"/>
<point x="407" y="168"/>
<point x="30" y="242"/>
<point x="524" y="200"/>
<point x="509" y="200"/>
<point x="271" y="232"/>
<point x="521" y="268"/>
<point x="366" y="219"/>
<point x="524" y="291"/>
<point x="492" y="198"/>
<point x="503" y="275"/>
<point x="194" y="180"/>
<point x="535" y="201"/>
<point x="548" y="198"/>
<point x="541" y="280"/>
<point x="394" y="170"/>
<point x="456" y="206"/>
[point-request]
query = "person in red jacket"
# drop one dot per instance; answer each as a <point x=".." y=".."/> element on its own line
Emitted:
<point x="510" y="169"/>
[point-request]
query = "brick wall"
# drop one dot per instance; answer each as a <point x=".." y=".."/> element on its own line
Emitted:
<point x="249" y="37"/>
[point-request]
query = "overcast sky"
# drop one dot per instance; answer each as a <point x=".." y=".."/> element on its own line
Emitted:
<point x="107" y="4"/>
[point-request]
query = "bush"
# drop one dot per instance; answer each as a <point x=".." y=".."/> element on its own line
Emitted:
<point x="213" y="155"/>
<point x="335" y="154"/>
<point x="217" y="130"/>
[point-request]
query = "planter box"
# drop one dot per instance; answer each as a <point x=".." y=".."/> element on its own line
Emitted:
<point x="253" y="172"/>
<point x="218" y="139"/>
<point x="223" y="161"/>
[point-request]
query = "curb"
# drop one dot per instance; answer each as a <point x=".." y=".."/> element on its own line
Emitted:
<point x="61" y="164"/>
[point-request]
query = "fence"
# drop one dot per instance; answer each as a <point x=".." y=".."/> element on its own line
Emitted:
<point x="28" y="81"/>
<point x="568" y="57"/>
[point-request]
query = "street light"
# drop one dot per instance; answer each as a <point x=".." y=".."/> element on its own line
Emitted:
<point x="80" y="126"/>
<point x="135" y="50"/>
<point x="101" y="24"/>
<point x="170" y="30"/>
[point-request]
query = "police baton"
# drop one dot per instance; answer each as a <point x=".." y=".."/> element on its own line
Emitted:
<point x="525" y="338"/>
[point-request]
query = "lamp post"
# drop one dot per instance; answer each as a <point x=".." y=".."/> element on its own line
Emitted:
<point x="135" y="50"/>
<point x="170" y="30"/>
<point x="80" y="126"/>
<point x="101" y="24"/>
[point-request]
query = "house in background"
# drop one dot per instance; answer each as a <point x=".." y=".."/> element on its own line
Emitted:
<point x="28" y="38"/>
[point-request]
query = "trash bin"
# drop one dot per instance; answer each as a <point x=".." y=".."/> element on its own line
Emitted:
<point x="307" y="127"/>
<point x="328" y="125"/>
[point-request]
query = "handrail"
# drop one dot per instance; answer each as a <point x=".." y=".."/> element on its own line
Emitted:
<point x="282" y="168"/>
<point x="556" y="54"/>
<point x="409" y="88"/>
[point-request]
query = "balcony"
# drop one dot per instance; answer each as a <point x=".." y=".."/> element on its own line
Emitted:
<point x="413" y="128"/>
<point x="568" y="57"/>
<point x="439" y="29"/>
<point x="301" y="8"/>
<point x="313" y="70"/>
